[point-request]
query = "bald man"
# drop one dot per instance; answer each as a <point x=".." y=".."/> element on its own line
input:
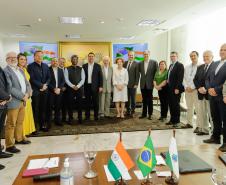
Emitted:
<point x="214" y="84"/>
<point x="203" y="113"/>
<point x="105" y="95"/>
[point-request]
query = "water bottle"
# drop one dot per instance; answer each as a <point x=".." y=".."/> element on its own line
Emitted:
<point x="66" y="174"/>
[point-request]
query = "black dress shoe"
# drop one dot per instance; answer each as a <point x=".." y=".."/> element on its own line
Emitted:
<point x="187" y="126"/>
<point x="23" y="142"/>
<point x="142" y="117"/>
<point x="196" y="130"/>
<point x="96" y="118"/>
<point x="149" y="117"/>
<point x="212" y="141"/>
<point x="45" y="129"/>
<point x="58" y="124"/>
<point x="12" y="149"/>
<point x="169" y="123"/>
<point x="5" y="155"/>
<point x="35" y="133"/>
<point x="1" y="167"/>
<point x="80" y="121"/>
<point x="202" y="133"/>
<point x="128" y="113"/>
<point x="223" y="147"/>
<point x="160" y="119"/>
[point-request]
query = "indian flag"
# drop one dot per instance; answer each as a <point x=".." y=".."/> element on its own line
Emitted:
<point x="120" y="162"/>
<point x="172" y="157"/>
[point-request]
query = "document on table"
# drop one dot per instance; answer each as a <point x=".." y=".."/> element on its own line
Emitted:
<point x="43" y="163"/>
<point x="125" y="175"/>
<point x="140" y="176"/>
<point x="163" y="173"/>
<point x="160" y="160"/>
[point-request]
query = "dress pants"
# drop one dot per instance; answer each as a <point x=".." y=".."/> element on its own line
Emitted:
<point x="3" y="113"/>
<point x="164" y="101"/>
<point x="131" y="103"/>
<point x="39" y="106"/>
<point x="91" y="96"/>
<point x="192" y="104"/>
<point x="54" y="103"/>
<point x="64" y="104"/>
<point x="204" y="116"/>
<point x="14" y="125"/>
<point x="72" y="97"/>
<point x="218" y="113"/>
<point x="174" y="106"/>
<point x="105" y="101"/>
<point x="147" y="100"/>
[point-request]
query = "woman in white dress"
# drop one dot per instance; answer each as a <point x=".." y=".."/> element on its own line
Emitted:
<point x="120" y="81"/>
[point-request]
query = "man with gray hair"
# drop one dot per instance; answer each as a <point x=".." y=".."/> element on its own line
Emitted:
<point x="20" y="91"/>
<point x="105" y="95"/>
<point x="203" y="114"/>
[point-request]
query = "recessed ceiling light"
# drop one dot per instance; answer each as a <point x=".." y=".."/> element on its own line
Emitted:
<point x="73" y="36"/>
<point x="71" y="20"/>
<point x="39" y="20"/>
<point x="120" y="19"/>
<point x="17" y="35"/>
<point x="150" y="22"/>
<point x="101" y="22"/>
<point x="127" y="38"/>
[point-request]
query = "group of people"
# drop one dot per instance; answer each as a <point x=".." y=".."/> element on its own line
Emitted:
<point x="29" y="94"/>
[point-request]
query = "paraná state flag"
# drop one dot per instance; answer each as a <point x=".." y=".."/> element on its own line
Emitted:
<point x="146" y="160"/>
<point x="120" y="161"/>
<point x="172" y="157"/>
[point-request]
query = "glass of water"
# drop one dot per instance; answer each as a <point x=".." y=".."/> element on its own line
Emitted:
<point x="90" y="155"/>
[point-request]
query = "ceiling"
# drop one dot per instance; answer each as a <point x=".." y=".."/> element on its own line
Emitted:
<point x="15" y="13"/>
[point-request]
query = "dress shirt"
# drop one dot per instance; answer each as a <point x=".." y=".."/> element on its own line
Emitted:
<point x="55" y="71"/>
<point x="106" y="72"/>
<point x="189" y="75"/>
<point x="219" y="66"/>
<point x="146" y="66"/>
<point x="171" y="68"/>
<point x="66" y="76"/>
<point x="20" y="78"/>
<point x="90" y="71"/>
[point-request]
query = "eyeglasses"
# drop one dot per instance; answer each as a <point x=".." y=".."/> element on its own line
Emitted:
<point x="11" y="58"/>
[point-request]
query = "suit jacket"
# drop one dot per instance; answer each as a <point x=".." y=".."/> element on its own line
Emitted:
<point x="15" y="88"/>
<point x="107" y="83"/>
<point x="133" y="73"/>
<point x="199" y="80"/>
<point x="61" y="79"/>
<point x="175" y="77"/>
<point x="4" y="88"/>
<point x="216" y="81"/>
<point x="97" y="77"/>
<point x="147" y="79"/>
<point x="39" y="75"/>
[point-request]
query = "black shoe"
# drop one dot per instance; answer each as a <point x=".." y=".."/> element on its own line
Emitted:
<point x="80" y="121"/>
<point x="59" y="124"/>
<point x="23" y="142"/>
<point x="187" y="126"/>
<point x="142" y="117"/>
<point x="1" y="167"/>
<point x="128" y="113"/>
<point x="69" y="122"/>
<point x="87" y="119"/>
<point x="169" y="123"/>
<point x="12" y="149"/>
<point x="35" y="133"/>
<point x="160" y="119"/>
<point x="5" y="155"/>
<point x="212" y="141"/>
<point x="202" y="133"/>
<point x="44" y="129"/>
<point x="96" y="118"/>
<point x="196" y="130"/>
<point x="222" y="147"/>
<point x="149" y="117"/>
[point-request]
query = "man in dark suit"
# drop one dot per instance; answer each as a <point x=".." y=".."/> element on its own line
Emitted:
<point x="175" y="87"/>
<point x="4" y="98"/>
<point x="214" y="83"/>
<point x="39" y="79"/>
<point x="56" y="85"/>
<point x="75" y="78"/>
<point x="147" y="70"/>
<point x="133" y="71"/>
<point x="203" y="112"/>
<point x="93" y="85"/>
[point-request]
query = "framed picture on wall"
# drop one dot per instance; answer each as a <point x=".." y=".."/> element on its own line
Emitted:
<point x="50" y="50"/>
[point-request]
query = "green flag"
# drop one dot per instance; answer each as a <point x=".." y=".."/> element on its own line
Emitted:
<point x="146" y="160"/>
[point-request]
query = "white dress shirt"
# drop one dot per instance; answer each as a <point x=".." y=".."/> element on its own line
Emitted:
<point x="219" y="66"/>
<point x="189" y="74"/>
<point x="55" y="71"/>
<point x="20" y="78"/>
<point x="90" y="71"/>
<point x="66" y="76"/>
<point x="146" y="66"/>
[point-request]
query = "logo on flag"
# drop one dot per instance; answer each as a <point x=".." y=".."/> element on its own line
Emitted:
<point x="174" y="157"/>
<point x="146" y="156"/>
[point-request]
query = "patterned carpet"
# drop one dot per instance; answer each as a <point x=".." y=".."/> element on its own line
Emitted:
<point x="109" y="125"/>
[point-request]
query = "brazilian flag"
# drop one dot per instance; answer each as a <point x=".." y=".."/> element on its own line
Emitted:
<point x="146" y="160"/>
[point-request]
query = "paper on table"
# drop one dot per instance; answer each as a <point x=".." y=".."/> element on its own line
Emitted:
<point x="140" y="175"/>
<point x="163" y="174"/>
<point x="160" y="160"/>
<point x="43" y="163"/>
<point x="125" y="176"/>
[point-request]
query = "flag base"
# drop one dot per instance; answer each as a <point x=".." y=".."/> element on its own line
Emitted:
<point x="120" y="182"/>
<point x="146" y="182"/>
<point x="171" y="180"/>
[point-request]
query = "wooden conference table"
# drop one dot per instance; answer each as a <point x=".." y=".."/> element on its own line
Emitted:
<point x="79" y="165"/>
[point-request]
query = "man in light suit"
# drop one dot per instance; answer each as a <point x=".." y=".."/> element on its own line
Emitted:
<point x="105" y="95"/>
<point x="214" y="84"/>
<point x="133" y="71"/>
<point x="20" y="90"/>
<point x="147" y="70"/>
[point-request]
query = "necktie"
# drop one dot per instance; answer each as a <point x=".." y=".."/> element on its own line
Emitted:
<point x="129" y="66"/>
<point x="206" y="68"/>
